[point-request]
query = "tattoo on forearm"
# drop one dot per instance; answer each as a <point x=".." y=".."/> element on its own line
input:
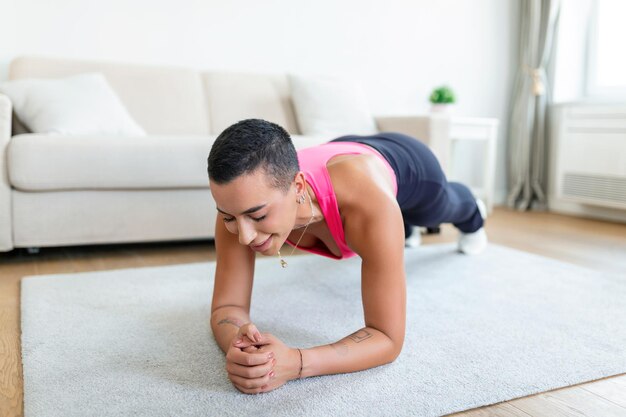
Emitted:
<point x="340" y="347"/>
<point x="360" y="335"/>
<point x="231" y="320"/>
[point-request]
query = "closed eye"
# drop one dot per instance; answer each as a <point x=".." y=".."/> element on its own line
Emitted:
<point x="256" y="219"/>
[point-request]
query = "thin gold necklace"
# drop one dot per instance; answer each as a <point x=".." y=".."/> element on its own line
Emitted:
<point x="283" y="263"/>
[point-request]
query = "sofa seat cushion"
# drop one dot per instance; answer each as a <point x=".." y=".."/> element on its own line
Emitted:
<point x="40" y="162"/>
<point x="51" y="162"/>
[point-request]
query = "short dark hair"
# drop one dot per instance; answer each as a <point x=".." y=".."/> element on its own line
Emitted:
<point x="251" y="144"/>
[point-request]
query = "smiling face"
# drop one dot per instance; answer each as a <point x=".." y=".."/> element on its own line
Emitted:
<point x="257" y="212"/>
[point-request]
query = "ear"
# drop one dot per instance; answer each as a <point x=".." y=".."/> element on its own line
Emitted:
<point x="300" y="183"/>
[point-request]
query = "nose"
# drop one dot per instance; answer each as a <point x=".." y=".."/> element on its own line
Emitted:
<point x="247" y="234"/>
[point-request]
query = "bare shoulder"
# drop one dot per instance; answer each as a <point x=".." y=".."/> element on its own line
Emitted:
<point x="366" y="201"/>
<point x="352" y="175"/>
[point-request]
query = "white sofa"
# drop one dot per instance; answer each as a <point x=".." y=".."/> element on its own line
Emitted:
<point x="60" y="190"/>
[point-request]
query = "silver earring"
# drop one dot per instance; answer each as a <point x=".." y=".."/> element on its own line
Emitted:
<point x="300" y="199"/>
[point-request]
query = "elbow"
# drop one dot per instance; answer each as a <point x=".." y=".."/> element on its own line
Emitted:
<point x="389" y="345"/>
<point x="394" y="348"/>
<point x="397" y="342"/>
<point x="390" y="356"/>
<point x="395" y="352"/>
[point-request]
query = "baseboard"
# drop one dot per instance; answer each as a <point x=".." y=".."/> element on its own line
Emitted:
<point x="587" y="211"/>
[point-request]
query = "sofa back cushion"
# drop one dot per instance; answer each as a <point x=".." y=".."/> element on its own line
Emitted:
<point x="162" y="100"/>
<point x="236" y="96"/>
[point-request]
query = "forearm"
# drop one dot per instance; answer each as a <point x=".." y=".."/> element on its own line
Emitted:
<point x="363" y="349"/>
<point x="225" y="323"/>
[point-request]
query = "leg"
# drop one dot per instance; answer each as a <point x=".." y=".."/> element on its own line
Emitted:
<point x="453" y="203"/>
<point x="467" y="217"/>
<point x="446" y="202"/>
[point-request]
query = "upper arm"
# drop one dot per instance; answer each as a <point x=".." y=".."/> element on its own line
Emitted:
<point x="374" y="229"/>
<point x="234" y="270"/>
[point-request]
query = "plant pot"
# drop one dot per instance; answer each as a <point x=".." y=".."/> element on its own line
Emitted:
<point x="442" y="108"/>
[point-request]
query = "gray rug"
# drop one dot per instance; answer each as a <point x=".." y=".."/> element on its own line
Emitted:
<point x="480" y="330"/>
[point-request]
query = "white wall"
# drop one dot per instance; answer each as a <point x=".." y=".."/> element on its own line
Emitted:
<point x="398" y="49"/>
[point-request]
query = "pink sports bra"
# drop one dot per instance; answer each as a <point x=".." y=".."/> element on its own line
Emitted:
<point x="313" y="162"/>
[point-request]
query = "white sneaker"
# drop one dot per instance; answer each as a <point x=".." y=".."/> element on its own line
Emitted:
<point x="481" y="208"/>
<point x="414" y="240"/>
<point x="474" y="243"/>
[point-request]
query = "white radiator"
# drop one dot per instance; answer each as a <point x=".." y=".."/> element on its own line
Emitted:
<point x="588" y="159"/>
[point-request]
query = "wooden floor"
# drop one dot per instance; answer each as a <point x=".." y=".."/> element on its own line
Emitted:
<point x="593" y="244"/>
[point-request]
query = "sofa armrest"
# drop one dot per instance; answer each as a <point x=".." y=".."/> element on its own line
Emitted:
<point x="6" y="223"/>
<point x="432" y="129"/>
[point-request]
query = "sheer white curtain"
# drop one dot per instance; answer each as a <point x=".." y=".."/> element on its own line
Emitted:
<point x="531" y="96"/>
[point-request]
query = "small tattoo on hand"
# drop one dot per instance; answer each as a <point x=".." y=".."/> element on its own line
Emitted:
<point x="360" y="335"/>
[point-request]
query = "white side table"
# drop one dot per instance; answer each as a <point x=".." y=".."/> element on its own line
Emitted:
<point x="484" y="132"/>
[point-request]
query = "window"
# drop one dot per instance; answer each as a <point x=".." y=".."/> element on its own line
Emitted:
<point x="606" y="63"/>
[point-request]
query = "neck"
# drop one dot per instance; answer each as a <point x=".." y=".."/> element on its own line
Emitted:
<point x="304" y="214"/>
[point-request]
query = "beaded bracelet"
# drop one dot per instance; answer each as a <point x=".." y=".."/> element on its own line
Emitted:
<point x="300" y="373"/>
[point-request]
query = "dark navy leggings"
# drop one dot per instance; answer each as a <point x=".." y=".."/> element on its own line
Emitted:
<point x="425" y="197"/>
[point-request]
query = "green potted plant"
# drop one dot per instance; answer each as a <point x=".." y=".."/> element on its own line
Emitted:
<point x="442" y="99"/>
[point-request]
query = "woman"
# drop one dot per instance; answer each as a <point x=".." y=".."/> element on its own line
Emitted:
<point x="356" y="195"/>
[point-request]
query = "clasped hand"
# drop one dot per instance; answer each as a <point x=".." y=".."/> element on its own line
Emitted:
<point x="258" y="362"/>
